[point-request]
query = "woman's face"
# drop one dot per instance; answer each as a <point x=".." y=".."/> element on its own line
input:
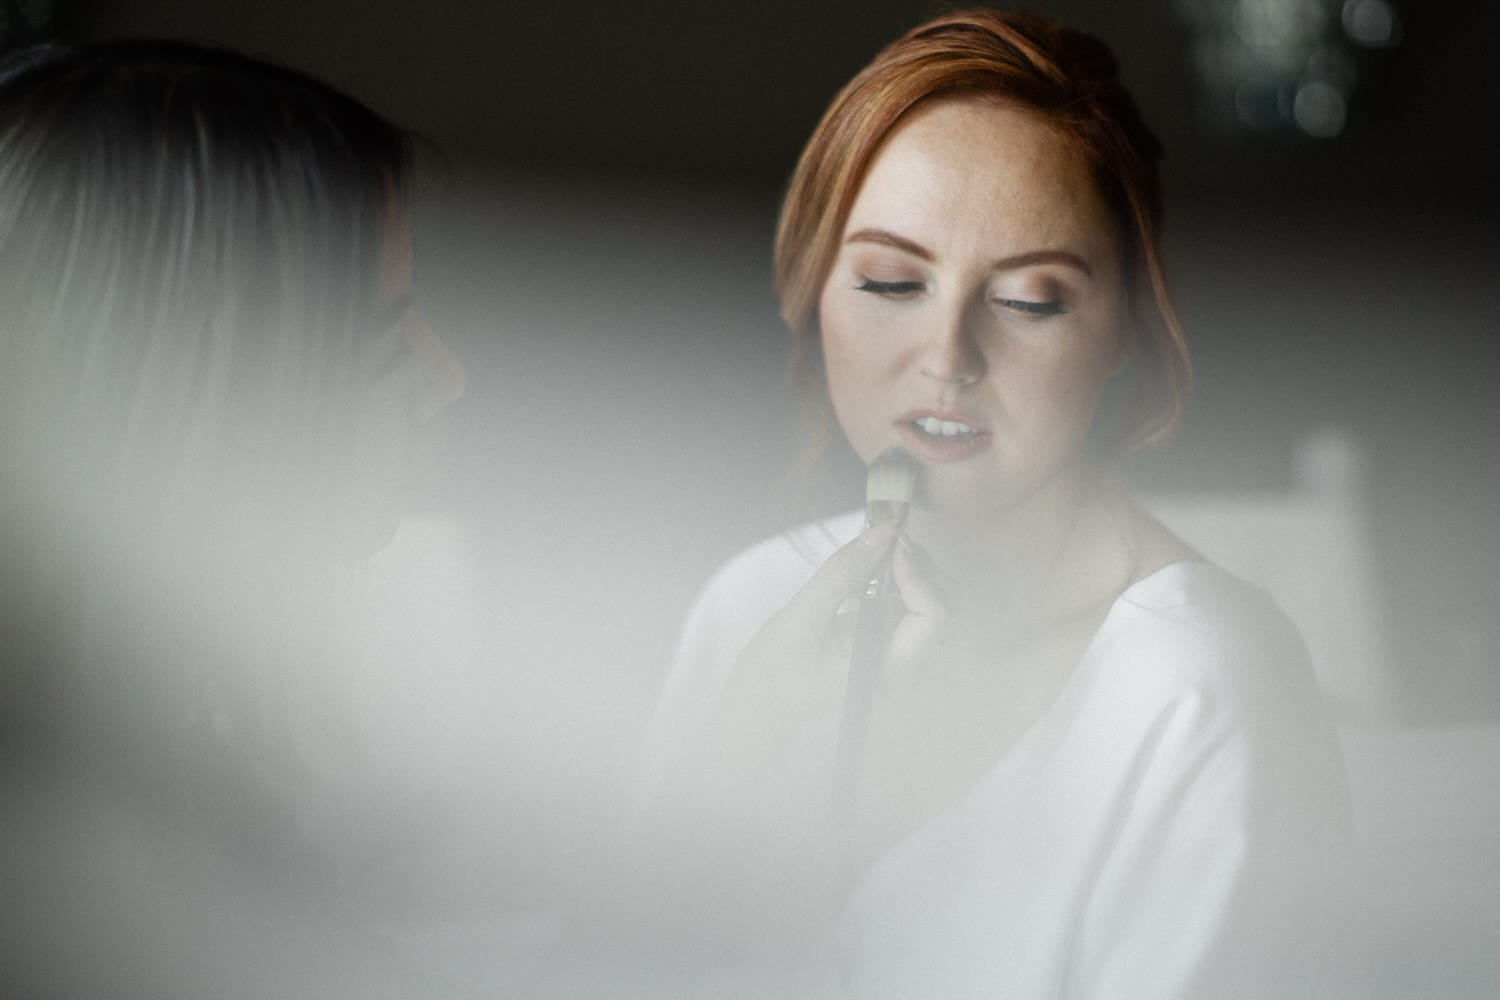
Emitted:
<point x="407" y="376"/>
<point x="972" y="313"/>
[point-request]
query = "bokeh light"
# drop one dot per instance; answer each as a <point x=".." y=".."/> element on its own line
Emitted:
<point x="1285" y="65"/>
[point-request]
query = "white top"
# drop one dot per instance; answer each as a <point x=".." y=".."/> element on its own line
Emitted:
<point x="1163" y="830"/>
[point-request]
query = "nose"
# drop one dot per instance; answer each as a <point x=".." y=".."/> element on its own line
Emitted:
<point x="952" y="352"/>
<point x="442" y="374"/>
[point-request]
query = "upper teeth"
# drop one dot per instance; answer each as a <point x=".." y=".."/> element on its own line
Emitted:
<point x="947" y="428"/>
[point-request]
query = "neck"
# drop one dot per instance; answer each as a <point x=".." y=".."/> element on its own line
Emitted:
<point x="1001" y="549"/>
<point x="1064" y="550"/>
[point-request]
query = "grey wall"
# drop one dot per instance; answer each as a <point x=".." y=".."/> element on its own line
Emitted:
<point x="723" y="89"/>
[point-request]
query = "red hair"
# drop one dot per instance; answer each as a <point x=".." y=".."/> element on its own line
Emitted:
<point x="1067" y="78"/>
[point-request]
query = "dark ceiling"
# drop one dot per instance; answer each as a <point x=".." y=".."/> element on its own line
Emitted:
<point x="731" y="90"/>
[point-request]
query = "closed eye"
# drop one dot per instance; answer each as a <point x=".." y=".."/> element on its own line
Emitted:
<point x="891" y="288"/>
<point x="1052" y="307"/>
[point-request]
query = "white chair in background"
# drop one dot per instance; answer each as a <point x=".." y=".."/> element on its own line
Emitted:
<point x="1423" y="914"/>
<point x="1311" y="547"/>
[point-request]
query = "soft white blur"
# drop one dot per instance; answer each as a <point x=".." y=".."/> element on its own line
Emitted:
<point x="626" y="427"/>
<point x="628" y="420"/>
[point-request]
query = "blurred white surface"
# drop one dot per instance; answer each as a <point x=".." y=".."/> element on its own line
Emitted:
<point x="1425" y="901"/>
<point x="1311" y="547"/>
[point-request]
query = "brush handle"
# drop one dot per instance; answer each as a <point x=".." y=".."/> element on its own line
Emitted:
<point x="877" y="610"/>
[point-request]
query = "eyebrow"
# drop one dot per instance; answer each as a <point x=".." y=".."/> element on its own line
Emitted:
<point x="885" y="237"/>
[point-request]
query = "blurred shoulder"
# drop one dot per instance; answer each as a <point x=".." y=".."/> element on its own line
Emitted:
<point x="1200" y="669"/>
<point x="1194" y="596"/>
<point x="1192" y="625"/>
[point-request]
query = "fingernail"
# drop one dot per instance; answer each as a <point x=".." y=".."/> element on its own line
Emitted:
<point x="879" y="535"/>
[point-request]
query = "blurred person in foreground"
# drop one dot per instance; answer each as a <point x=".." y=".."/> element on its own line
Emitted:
<point x="1096" y="765"/>
<point x="214" y="396"/>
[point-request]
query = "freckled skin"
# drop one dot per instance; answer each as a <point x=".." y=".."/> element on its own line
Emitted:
<point x="1023" y="351"/>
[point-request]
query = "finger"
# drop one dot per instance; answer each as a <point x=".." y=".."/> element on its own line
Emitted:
<point x="841" y="634"/>
<point x="924" y="596"/>
<point x="843" y="575"/>
<point x="923" y="586"/>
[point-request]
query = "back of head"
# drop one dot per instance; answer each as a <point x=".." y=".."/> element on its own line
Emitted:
<point x="190" y="242"/>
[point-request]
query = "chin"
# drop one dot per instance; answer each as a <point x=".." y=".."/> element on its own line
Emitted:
<point x="990" y="494"/>
<point x="955" y="489"/>
<point x="979" y="510"/>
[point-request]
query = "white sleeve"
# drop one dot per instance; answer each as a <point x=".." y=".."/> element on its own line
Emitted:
<point x="1218" y="881"/>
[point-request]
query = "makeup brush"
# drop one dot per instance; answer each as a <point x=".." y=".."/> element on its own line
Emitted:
<point x="889" y="486"/>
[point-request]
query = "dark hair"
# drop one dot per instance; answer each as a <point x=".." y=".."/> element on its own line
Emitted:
<point x="189" y="240"/>
<point x="190" y="243"/>
<point x="1070" y="80"/>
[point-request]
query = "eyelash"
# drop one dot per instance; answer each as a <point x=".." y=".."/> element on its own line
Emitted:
<point x="889" y="288"/>
<point x="1053" y="307"/>
<point x="900" y="289"/>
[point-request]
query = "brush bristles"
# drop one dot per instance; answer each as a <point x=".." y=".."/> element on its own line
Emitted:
<point x="892" y="477"/>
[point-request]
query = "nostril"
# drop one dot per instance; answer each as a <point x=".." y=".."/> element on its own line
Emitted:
<point x="954" y="356"/>
<point x="962" y="371"/>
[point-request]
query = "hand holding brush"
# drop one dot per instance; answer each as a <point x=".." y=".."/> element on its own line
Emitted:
<point x="799" y="665"/>
<point x="889" y="486"/>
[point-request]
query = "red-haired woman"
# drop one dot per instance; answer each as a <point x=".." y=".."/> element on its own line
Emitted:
<point x="1096" y="764"/>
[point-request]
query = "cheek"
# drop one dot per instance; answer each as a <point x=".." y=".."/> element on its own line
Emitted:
<point x="848" y="369"/>
<point x="857" y="384"/>
<point x="1069" y="392"/>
